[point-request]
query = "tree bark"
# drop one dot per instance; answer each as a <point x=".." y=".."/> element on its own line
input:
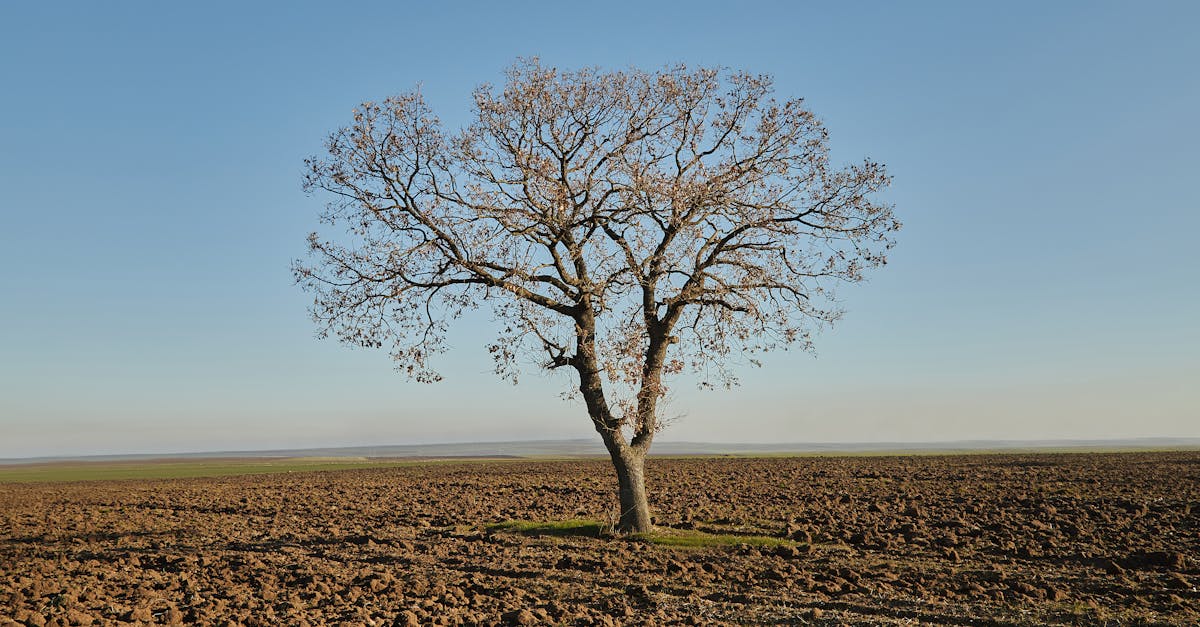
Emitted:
<point x="628" y="458"/>
<point x="631" y="485"/>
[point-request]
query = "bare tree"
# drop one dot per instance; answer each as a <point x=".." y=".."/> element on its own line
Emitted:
<point x="625" y="225"/>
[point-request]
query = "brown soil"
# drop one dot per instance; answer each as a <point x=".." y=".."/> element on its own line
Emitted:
<point x="968" y="540"/>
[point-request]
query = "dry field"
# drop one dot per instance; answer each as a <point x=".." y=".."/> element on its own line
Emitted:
<point x="959" y="540"/>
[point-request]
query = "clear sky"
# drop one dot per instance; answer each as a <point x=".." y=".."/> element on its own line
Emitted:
<point x="1046" y="160"/>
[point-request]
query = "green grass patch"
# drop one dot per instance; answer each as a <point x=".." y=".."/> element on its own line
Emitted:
<point x="662" y="536"/>
<point x="99" y="471"/>
<point x="665" y="536"/>
<point x="573" y="527"/>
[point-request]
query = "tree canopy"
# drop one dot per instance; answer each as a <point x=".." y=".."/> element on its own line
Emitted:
<point x="629" y="225"/>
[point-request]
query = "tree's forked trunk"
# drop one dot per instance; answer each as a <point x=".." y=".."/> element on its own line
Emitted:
<point x="628" y="456"/>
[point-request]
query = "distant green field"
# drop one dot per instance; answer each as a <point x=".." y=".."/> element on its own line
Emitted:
<point x="221" y="467"/>
<point x="175" y="469"/>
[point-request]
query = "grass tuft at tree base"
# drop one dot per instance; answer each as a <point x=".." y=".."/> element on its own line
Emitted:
<point x="666" y="536"/>
<point x="662" y="536"/>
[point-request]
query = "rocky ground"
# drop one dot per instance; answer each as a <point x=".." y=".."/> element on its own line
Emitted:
<point x="959" y="540"/>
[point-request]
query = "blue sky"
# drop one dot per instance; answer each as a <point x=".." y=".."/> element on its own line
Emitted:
<point x="1045" y="158"/>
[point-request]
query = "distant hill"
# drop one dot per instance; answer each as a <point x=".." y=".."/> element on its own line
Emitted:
<point x="594" y="448"/>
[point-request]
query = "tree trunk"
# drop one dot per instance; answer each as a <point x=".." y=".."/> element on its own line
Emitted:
<point x="628" y="458"/>
<point x="631" y="486"/>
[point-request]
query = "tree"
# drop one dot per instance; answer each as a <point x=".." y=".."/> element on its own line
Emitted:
<point x="627" y="226"/>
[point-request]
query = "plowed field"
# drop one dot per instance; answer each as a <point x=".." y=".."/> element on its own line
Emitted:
<point x="958" y="540"/>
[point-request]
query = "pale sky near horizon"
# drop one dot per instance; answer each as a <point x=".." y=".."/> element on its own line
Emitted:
<point x="1045" y="285"/>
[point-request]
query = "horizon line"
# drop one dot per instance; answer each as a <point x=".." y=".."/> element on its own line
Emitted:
<point x="709" y="448"/>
